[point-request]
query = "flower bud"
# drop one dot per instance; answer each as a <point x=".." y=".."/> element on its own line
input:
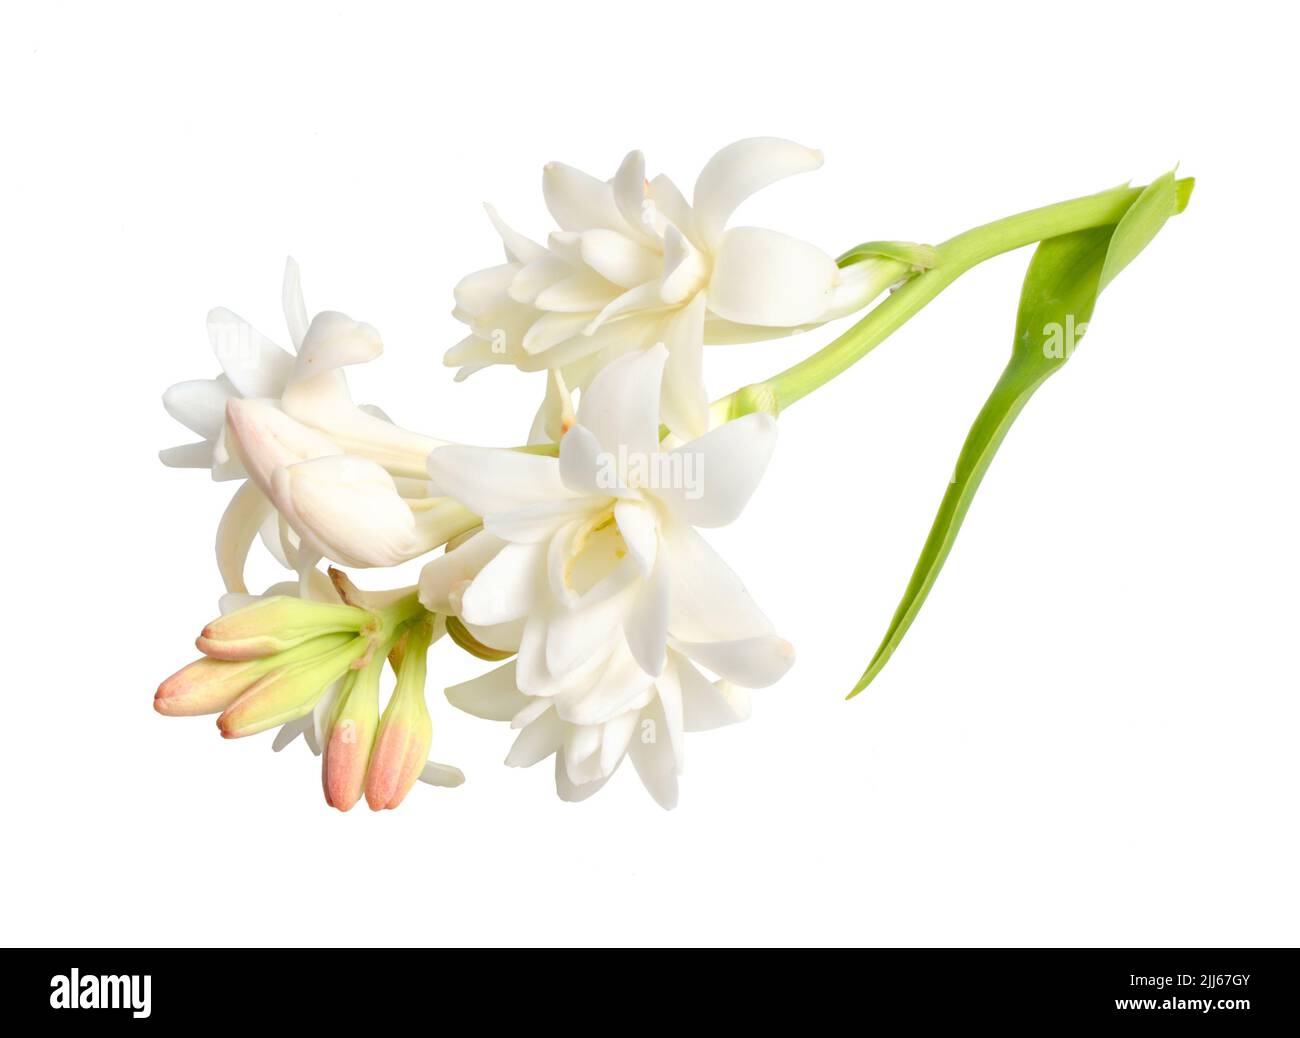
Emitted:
<point x="405" y="731"/>
<point x="290" y="691"/>
<point x="205" y="687"/>
<point x="351" y="736"/>
<point x="208" y="686"/>
<point x="277" y="624"/>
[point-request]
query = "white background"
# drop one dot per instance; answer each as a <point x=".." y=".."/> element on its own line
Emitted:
<point x="1088" y="737"/>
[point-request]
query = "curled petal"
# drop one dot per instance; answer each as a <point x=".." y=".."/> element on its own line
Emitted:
<point x="739" y="170"/>
<point x="240" y="523"/>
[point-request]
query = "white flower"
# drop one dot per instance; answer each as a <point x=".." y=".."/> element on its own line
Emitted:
<point x="329" y="478"/>
<point x="589" y="565"/>
<point x="635" y="264"/>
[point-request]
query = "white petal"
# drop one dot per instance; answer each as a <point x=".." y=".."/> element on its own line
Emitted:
<point x="589" y="627"/>
<point x="579" y="201"/>
<point x="479" y="293"/>
<point x="506" y="587"/>
<point x="487" y="481"/>
<point x="567" y="245"/>
<point x="334" y="340"/>
<point x="670" y="205"/>
<point x="585" y="466"/>
<point x="582" y="754"/>
<point x="435" y="774"/>
<point x="349" y="508"/>
<point x="295" y="310"/>
<point x="767" y="278"/>
<point x="534" y="523"/>
<point x="584" y="292"/>
<point x="316" y="733"/>
<point x="491" y="696"/>
<point x="199" y="405"/>
<point x="550" y="330"/>
<point x="278" y="539"/>
<point x="685" y="401"/>
<point x="750" y="662"/>
<point x="323" y="402"/>
<point x="636" y="523"/>
<point x="862" y="282"/>
<point x="519" y="249"/>
<point x="537" y="276"/>
<point x="630" y="197"/>
<point x="549" y="423"/>
<point x="268" y="439"/>
<point x="187" y="456"/>
<point x="708" y="601"/>
<point x="289" y="732"/>
<point x="570" y="793"/>
<point x="620" y="683"/>
<point x="646" y="626"/>
<point x="669" y="689"/>
<point x="239" y="525"/>
<point x="447" y="576"/>
<point x="652" y="754"/>
<point x="537" y="741"/>
<point x="615" y="738"/>
<point x="739" y="170"/>
<point x="725" y="466"/>
<point x="621" y="407"/>
<point x="255" y="365"/>
<point x="619" y="259"/>
<point x="644" y="299"/>
<point x="685" y="269"/>
<point x="706" y="704"/>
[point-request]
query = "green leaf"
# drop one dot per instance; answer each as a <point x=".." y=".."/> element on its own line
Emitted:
<point x="1060" y="290"/>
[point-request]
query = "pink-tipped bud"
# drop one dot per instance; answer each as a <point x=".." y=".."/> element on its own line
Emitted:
<point x="291" y="690"/>
<point x="205" y="687"/>
<point x="351" y="736"/>
<point x="276" y="624"/>
<point x="405" y="731"/>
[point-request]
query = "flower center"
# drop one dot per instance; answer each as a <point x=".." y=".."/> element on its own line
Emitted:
<point x="593" y="552"/>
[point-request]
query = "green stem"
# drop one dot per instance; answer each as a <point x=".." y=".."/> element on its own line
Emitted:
<point x="954" y="258"/>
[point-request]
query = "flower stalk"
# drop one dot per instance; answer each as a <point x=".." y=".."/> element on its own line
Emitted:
<point x="951" y="260"/>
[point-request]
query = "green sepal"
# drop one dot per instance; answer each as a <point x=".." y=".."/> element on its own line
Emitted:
<point x="918" y="257"/>
<point x="459" y="633"/>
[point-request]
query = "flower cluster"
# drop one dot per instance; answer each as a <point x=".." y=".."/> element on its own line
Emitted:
<point x="576" y="564"/>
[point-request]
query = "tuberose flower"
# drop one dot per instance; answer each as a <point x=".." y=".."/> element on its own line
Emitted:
<point x="590" y="565"/>
<point x="634" y="264"/>
<point x="329" y="478"/>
